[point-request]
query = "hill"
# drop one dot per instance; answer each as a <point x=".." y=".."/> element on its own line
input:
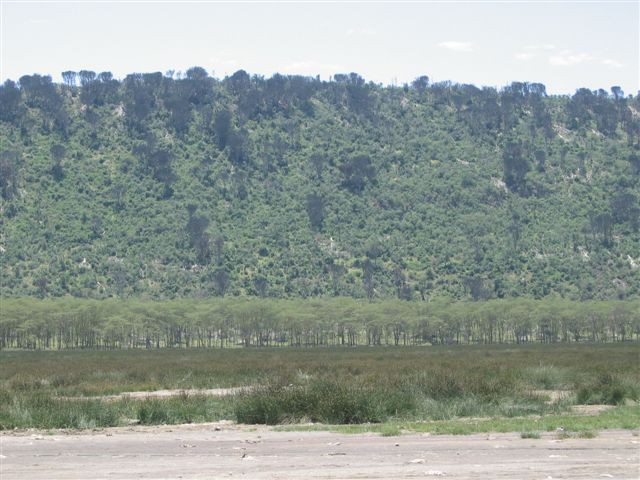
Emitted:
<point x="163" y="186"/>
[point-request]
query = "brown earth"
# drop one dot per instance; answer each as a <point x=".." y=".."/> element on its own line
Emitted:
<point x="226" y="450"/>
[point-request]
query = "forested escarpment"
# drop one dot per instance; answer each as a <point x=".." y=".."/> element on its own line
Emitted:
<point x="163" y="186"/>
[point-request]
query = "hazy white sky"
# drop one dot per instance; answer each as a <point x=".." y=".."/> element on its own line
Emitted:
<point x="565" y="45"/>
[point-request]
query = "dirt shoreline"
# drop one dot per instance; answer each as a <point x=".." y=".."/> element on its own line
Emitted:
<point x="228" y="450"/>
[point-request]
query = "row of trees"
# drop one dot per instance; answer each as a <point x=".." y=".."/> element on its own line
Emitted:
<point x="83" y="324"/>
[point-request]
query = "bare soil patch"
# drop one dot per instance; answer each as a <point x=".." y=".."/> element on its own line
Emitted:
<point x="227" y="450"/>
<point x="591" y="409"/>
<point x="214" y="392"/>
<point x="554" y="395"/>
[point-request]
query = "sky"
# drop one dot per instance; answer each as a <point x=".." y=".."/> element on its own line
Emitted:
<point x="564" y="45"/>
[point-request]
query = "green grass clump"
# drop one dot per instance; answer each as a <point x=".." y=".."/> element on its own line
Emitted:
<point x="607" y="389"/>
<point x="320" y="401"/>
<point x="41" y="410"/>
<point x="380" y="398"/>
<point x="547" y="377"/>
<point x="390" y="430"/>
<point x="534" y="435"/>
<point x="181" y="409"/>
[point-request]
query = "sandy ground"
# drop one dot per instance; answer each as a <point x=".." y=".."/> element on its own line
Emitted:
<point x="215" y="392"/>
<point x="225" y="450"/>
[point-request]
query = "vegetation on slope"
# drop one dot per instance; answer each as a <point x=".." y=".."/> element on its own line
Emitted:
<point x="186" y="185"/>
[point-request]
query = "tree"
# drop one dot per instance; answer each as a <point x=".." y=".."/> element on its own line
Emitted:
<point x="634" y="161"/>
<point x="515" y="229"/>
<point x="420" y="84"/>
<point x="358" y="94"/>
<point x="336" y="271"/>
<point x="357" y="173"/>
<point x="515" y="166"/>
<point x="617" y="92"/>
<point x="318" y="161"/>
<point x="239" y="82"/>
<point x="223" y="127"/>
<point x="86" y="77"/>
<point x="478" y="288"/>
<point x="8" y="173"/>
<point x="10" y="102"/>
<point x="315" y="210"/>
<point x="624" y="207"/>
<point x="602" y="227"/>
<point x="41" y="284"/>
<point x="218" y="243"/>
<point x="578" y="109"/>
<point x="139" y="96"/>
<point x="69" y="78"/>
<point x="198" y="237"/>
<point x="203" y="249"/>
<point x="368" y="269"/>
<point x="403" y="291"/>
<point x="260" y="283"/>
<point x="238" y="154"/>
<point x="222" y="280"/>
<point x="41" y="93"/>
<point x="176" y="100"/>
<point x="57" y="154"/>
<point x="98" y="90"/>
<point x="158" y="159"/>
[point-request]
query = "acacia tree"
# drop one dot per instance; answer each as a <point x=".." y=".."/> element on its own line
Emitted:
<point x="516" y="166"/>
<point x="315" y="210"/>
<point x="58" y="153"/>
<point x="357" y="173"/>
<point x="8" y="173"/>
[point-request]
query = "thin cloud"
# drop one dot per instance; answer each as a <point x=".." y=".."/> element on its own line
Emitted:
<point x="457" y="46"/>
<point x="610" y="62"/>
<point x="360" y="32"/>
<point x="567" y="58"/>
<point x="524" y="56"/>
<point x="546" y="46"/>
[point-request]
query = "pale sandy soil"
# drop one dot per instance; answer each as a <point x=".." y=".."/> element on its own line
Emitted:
<point x="225" y="450"/>
<point x="215" y="392"/>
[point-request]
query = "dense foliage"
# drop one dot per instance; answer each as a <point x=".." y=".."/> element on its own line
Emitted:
<point x="164" y="186"/>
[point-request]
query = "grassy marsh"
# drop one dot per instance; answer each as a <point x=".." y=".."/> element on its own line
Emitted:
<point x="381" y="385"/>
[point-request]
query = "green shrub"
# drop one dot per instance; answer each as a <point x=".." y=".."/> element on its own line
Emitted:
<point x="323" y="401"/>
<point x="607" y="389"/>
<point x="153" y="412"/>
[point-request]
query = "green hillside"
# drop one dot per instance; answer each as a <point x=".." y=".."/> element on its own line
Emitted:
<point x="163" y="186"/>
